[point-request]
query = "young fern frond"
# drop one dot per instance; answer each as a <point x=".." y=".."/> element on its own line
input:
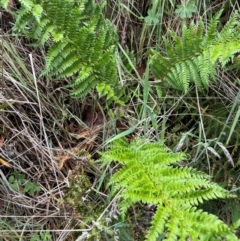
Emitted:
<point x="81" y="42"/>
<point x="149" y="174"/>
<point x="193" y="57"/>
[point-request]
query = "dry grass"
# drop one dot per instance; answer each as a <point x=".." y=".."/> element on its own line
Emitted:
<point x="43" y="136"/>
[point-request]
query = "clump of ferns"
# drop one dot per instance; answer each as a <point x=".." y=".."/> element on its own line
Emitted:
<point x="150" y="173"/>
<point x="193" y="57"/>
<point x="81" y="43"/>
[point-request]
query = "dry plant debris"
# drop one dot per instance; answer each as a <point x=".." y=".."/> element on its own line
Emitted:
<point x="37" y="139"/>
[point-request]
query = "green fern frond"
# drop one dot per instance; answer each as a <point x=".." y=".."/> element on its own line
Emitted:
<point x="80" y="41"/>
<point x="28" y="4"/>
<point x="223" y="51"/>
<point x="193" y="57"/>
<point x="149" y="174"/>
<point x="212" y="32"/>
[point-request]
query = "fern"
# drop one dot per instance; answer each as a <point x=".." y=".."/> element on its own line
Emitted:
<point x="81" y="42"/>
<point x="193" y="57"/>
<point x="149" y="174"/>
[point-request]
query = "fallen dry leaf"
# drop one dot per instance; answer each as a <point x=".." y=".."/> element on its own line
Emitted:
<point x="83" y="134"/>
<point x="4" y="163"/>
<point x="86" y="133"/>
<point x="63" y="160"/>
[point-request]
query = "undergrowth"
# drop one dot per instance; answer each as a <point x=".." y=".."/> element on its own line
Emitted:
<point x="170" y="76"/>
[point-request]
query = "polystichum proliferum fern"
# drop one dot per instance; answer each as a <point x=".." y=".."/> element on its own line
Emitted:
<point x="193" y="57"/>
<point x="81" y="43"/>
<point x="149" y="174"/>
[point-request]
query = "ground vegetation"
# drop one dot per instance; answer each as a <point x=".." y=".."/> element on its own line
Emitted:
<point x="119" y="120"/>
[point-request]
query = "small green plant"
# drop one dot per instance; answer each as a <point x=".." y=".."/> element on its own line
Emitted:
<point x="31" y="187"/>
<point x="43" y="236"/>
<point x="186" y="9"/>
<point x="18" y="183"/>
<point x="149" y="173"/>
<point x="16" y="180"/>
<point x="152" y="17"/>
<point x="194" y="56"/>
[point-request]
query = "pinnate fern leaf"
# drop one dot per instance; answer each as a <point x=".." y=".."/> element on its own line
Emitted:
<point x="81" y="43"/>
<point x="193" y="56"/>
<point x="150" y="174"/>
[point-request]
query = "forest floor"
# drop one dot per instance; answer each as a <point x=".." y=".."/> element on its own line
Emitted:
<point x="52" y="186"/>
